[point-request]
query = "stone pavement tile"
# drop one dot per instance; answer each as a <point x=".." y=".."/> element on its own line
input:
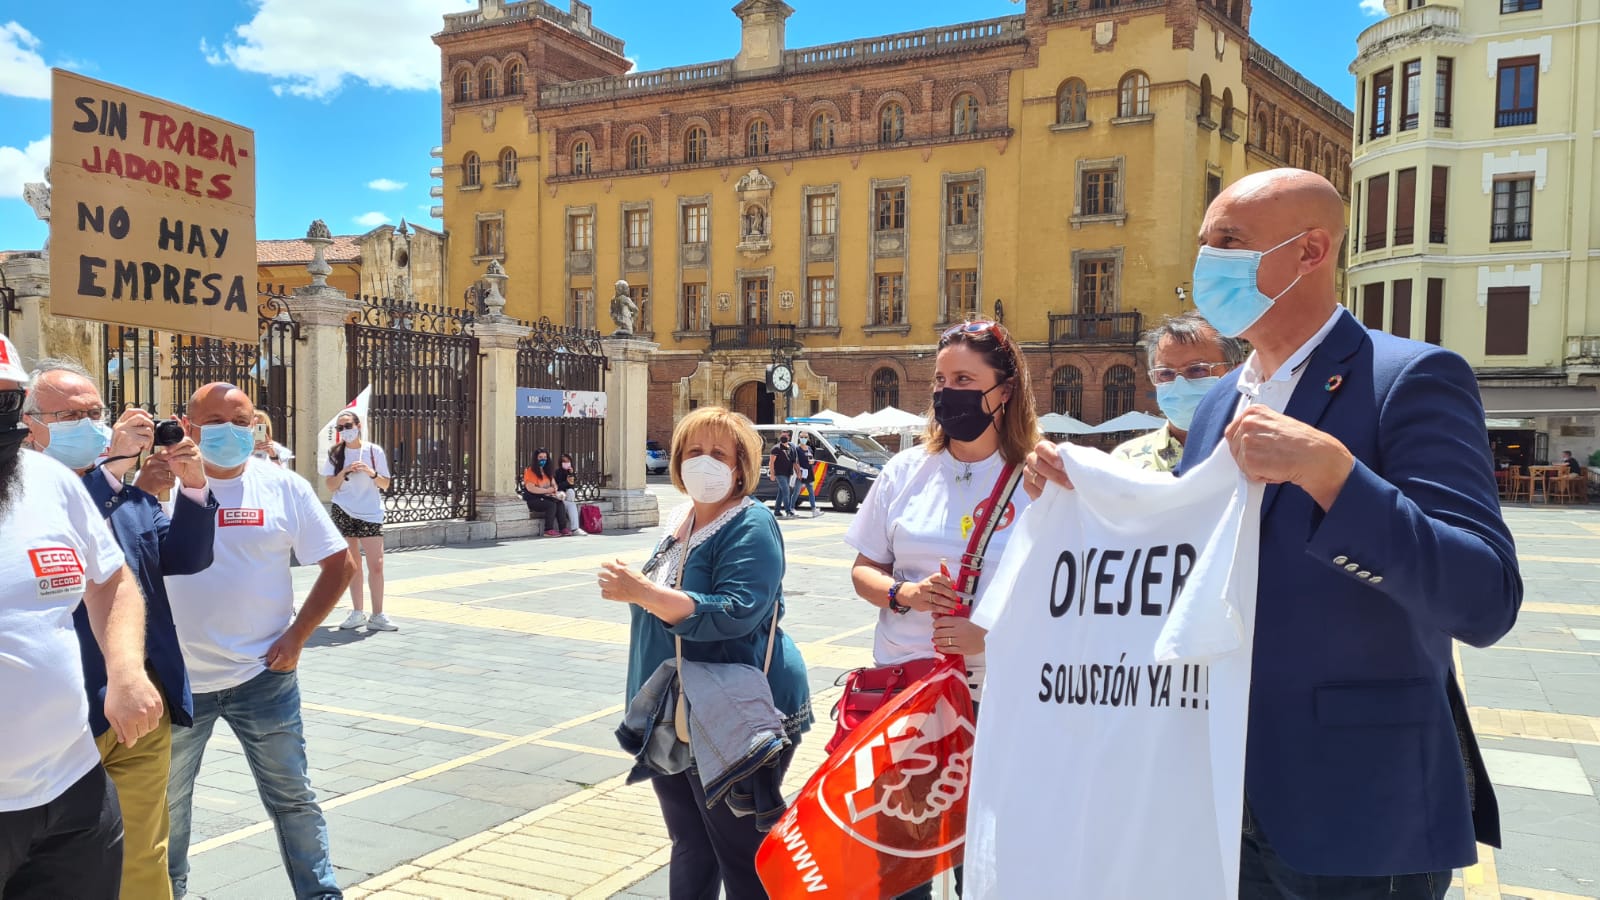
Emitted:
<point x="369" y="848"/>
<point x="1551" y="814"/>
<point x="1539" y="772"/>
<point x="1583" y="698"/>
<point x="464" y="816"/>
<point x="208" y="825"/>
<point x="212" y="871"/>
<point x="520" y="791"/>
<point x="1549" y="863"/>
<point x="1560" y="748"/>
<point x="588" y="769"/>
<point x="1495" y="664"/>
<point x="397" y="804"/>
<point x="1506" y="693"/>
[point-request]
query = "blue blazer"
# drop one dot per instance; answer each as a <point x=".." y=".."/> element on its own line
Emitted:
<point x="1360" y="759"/>
<point x="155" y="546"/>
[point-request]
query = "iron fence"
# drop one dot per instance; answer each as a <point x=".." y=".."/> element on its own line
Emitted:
<point x="560" y="358"/>
<point x="422" y="364"/>
<point x="264" y="370"/>
<point x="130" y="366"/>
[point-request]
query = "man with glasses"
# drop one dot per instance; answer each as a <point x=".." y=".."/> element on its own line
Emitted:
<point x="1187" y="356"/>
<point x="60" y="823"/>
<point x="67" y="422"/>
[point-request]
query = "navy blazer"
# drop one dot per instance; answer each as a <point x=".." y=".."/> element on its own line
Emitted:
<point x="155" y="547"/>
<point x="1360" y="758"/>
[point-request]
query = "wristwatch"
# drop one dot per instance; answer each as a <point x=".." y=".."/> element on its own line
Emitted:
<point x="895" y="606"/>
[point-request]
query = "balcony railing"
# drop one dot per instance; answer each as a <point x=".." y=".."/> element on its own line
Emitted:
<point x="1375" y="241"/>
<point x="753" y="337"/>
<point x="1436" y="236"/>
<point x="1403" y="236"/>
<point x="1511" y="231"/>
<point x="1506" y="118"/>
<point x="1426" y="22"/>
<point x="1096" y="328"/>
<point x="1441" y="118"/>
<point x="533" y="9"/>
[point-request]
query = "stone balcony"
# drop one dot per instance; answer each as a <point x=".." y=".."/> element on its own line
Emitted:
<point x="1414" y="26"/>
<point x="532" y="9"/>
<point x="867" y="51"/>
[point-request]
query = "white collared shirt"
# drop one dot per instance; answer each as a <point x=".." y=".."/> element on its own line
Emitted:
<point x="1274" y="392"/>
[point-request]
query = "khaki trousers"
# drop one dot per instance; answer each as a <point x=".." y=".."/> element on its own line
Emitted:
<point x="140" y="774"/>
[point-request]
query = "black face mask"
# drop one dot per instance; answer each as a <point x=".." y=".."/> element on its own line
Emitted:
<point x="960" y="413"/>
<point x="12" y="432"/>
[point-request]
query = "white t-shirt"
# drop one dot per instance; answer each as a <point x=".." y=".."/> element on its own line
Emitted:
<point x="54" y="543"/>
<point x="920" y="511"/>
<point x="1109" y="760"/>
<point x="228" y="615"/>
<point x="359" y="495"/>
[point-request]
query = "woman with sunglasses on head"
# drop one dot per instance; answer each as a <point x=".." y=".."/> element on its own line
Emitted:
<point x="918" y="521"/>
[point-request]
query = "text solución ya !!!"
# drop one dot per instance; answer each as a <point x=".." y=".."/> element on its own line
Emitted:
<point x="1144" y="582"/>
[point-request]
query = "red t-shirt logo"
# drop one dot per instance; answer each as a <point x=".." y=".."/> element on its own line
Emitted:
<point x="227" y="518"/>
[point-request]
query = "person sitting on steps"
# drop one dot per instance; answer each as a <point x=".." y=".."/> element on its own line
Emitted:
<point x="539" y="490"/>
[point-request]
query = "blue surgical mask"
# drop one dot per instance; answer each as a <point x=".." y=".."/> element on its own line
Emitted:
<point x="77" y="445"/>
<point x="1179" y="399"/>
<point x="1225" y="288"/>
<point x="226" y="445"/>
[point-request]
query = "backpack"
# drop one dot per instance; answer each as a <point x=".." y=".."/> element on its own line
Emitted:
<point x="589" y="518"/>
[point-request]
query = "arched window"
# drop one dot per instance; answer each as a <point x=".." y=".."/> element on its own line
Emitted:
<point x="964" y="115"/>
<point x="1118" y="392"/>
<point x="1072" y="103"/>
<point x="891" y="123"/>
<point x="1227" y="109"/>
<point x="469" y="170"/>
<point x="582" y="158"/>
<point x="885" y="389"/>
<point x="490" y="80"/>
<point x="508" y="166"/>
<point x="1133" y="95"/>
<point x="466" y="88"/>
<point x="755" y="138"/>
<point x="1067" y="391"/>
<point x="1285" y="142"/>
<point x="1308" y="153"/>
<point x="1262" y="136"/>
<point x="638" y="151"/>
<point x="514" y="77"/>
<point x="822" y="131"/>
<point x="1205" y="97"/>
<point x="696" y="145"/>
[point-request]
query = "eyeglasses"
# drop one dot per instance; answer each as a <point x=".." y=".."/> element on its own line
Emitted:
<point x="97" y="413"/>
<point x="1193" y="372"/>
<point x="11" y="401"/>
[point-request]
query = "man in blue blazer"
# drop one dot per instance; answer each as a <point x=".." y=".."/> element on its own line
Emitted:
<point x="68" y="422"/>
<point x="1381" y="541"/>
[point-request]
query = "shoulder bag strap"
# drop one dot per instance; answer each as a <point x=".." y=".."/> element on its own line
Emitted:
<point x="984" y="528"/>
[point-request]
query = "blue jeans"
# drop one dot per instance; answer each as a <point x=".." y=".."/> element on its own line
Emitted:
<point x="785" y="502"/>
<point x="265" y="714"/>
<point x="1263" y="875"/>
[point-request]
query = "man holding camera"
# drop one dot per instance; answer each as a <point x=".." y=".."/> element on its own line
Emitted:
<point x="61" y="831"/>
<point x="66" y="421"/>
<point x="242" y="638"/>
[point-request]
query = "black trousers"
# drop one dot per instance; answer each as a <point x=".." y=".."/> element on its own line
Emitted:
<point x="712" y="849"/>
<point x="69" y="847"/>
<point x="555" y="512"/>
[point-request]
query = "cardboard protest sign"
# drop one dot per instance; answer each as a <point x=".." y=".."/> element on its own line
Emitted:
<point x="153" y="213"/>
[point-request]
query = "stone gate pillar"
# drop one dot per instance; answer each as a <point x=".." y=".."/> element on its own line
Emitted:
<point x="321" y="362"/>
<point x="29" y="276"/>
<point x="627" y="407"/>
<point x="497" y="461"/>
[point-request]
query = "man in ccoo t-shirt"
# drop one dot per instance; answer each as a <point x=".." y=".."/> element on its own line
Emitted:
<point x="60" y="825"/>
<point x="242" y="640"/>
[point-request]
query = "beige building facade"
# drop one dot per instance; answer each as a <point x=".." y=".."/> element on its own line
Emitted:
<point x="1473" y="219"/>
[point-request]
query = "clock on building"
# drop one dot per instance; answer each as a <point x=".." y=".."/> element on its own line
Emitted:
<point x="780" y="378"/>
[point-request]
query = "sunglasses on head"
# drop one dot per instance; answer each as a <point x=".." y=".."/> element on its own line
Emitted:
<point x="974" y="330"/>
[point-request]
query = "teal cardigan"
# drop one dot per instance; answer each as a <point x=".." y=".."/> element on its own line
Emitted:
<point x="736" y="581"/>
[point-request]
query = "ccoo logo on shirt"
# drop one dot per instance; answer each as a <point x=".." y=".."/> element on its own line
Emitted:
<point x="230" y="518"/>
<point x="58" y="569"/>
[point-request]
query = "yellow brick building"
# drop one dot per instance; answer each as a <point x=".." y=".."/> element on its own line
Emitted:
<point x="1474" y="224"/>
<point x="841" y="205"/>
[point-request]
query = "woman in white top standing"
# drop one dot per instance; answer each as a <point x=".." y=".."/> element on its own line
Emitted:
<point x="357" y="472"/>
<point x="923" y="508"/>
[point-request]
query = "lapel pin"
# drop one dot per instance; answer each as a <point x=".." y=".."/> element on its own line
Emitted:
<point x="1333" y="383"/>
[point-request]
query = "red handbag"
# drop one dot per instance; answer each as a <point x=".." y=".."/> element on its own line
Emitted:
<point x="868" y="688"/>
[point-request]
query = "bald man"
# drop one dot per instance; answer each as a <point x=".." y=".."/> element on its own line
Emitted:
<point x="1381" y="541"/>
<point x="242" y="638"/>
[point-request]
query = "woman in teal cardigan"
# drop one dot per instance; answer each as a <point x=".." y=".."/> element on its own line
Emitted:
<point x="729" y="552"/>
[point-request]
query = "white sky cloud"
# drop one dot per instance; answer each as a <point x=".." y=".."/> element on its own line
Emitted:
<point x="1373" y="7"/>
<point x="371" y="219"/>
<point x="18" y="165"/>
<point x="311" y="48"/>
<point x="386" y="184"/>
<point x="23" y="72"/>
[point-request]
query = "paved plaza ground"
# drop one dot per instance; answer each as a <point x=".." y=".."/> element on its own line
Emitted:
<point x="471" y="753"/>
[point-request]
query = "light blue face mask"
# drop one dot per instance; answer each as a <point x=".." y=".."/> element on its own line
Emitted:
<point x="1179" y="399"/>
<point x="226" y="445"/>
<point x="1225" y="288"/>
<point x="77" y="445"/>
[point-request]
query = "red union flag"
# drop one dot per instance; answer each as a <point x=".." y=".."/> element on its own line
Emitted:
<point x="888" y="809"/>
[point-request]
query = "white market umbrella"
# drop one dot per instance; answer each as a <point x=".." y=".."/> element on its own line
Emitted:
<point x="838" y="419"/>
<point x="1130" y="421"/>
<point x="1061" y="423"/>
<point x="890" y="419"/>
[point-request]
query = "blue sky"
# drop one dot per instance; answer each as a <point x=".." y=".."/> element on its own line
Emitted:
<point x="343" y="95"/>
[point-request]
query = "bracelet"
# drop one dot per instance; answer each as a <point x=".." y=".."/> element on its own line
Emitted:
<point x="895" y="605"/>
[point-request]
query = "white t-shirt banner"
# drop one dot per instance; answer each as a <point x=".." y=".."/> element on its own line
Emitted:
<point x="1110" y="755"/>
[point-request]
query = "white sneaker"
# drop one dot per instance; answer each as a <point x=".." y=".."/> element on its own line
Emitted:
<point x="355" y="620"/>
<point x="380" y="622"/>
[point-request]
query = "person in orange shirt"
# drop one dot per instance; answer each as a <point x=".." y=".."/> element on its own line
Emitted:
<point x="539" y="490"/>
